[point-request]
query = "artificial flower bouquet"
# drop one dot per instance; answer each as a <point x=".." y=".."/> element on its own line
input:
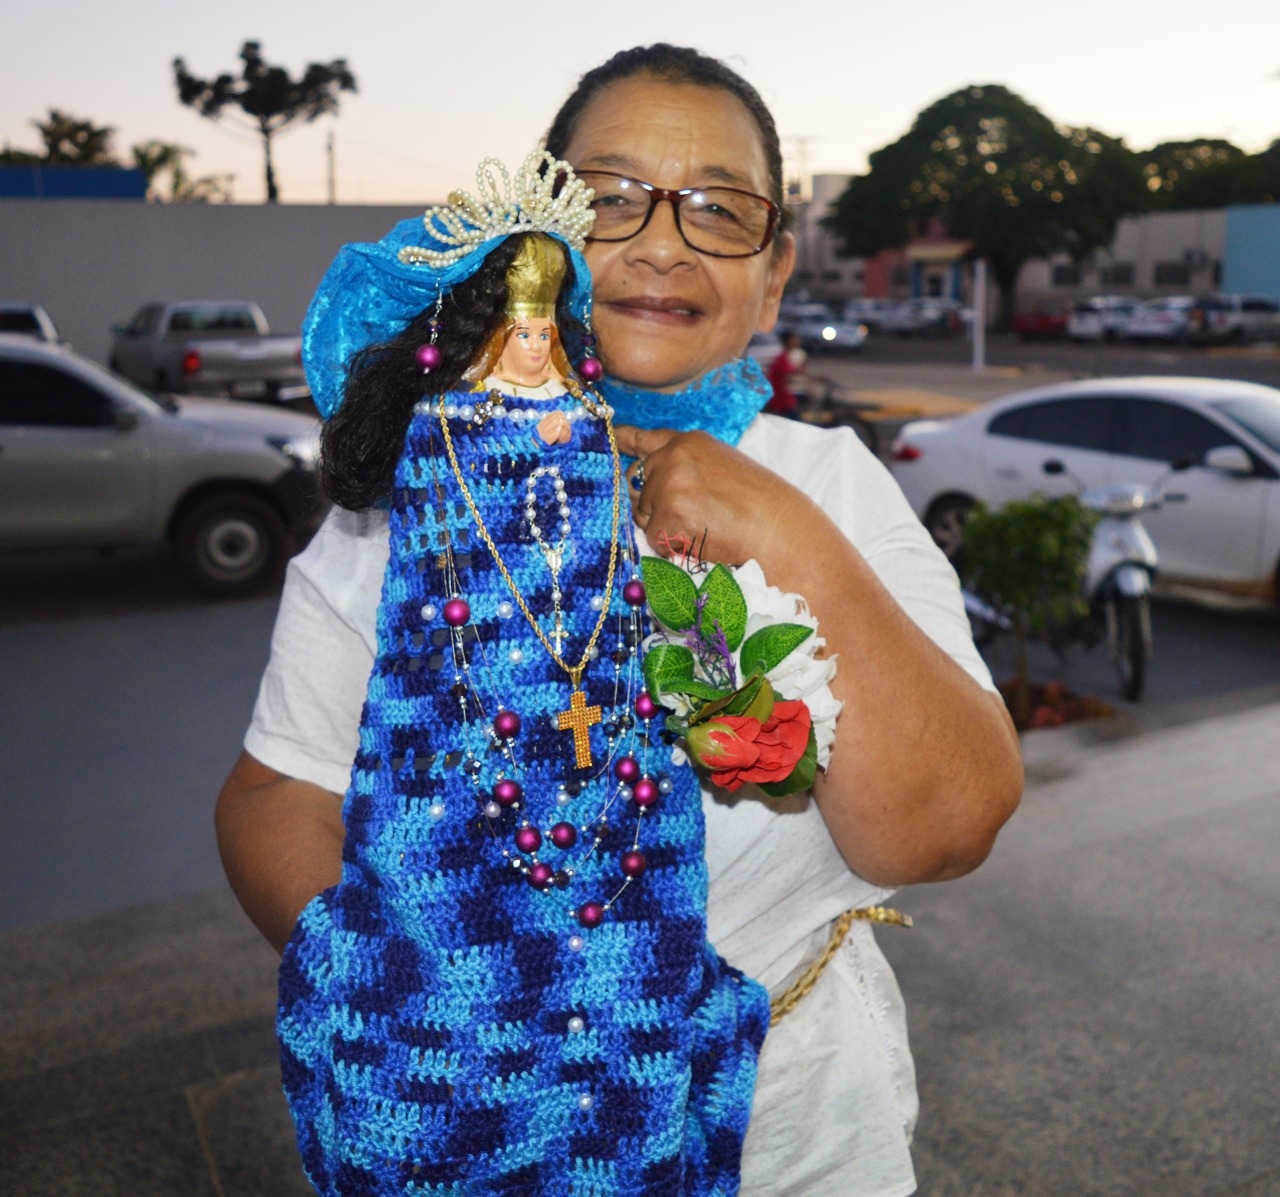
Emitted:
<point x="734" y="661"/>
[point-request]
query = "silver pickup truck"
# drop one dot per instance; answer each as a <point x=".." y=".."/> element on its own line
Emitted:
<point x="208" y="348"/>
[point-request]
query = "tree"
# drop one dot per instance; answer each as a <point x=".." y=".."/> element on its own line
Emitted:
<point x="67" y="141"/>
<point x="1029" y="558"/>
<point x="268" y="96"/>
<point x="162" y="159"/>
<point x="996" y="172"/>
<point x="70" y="141"/>
<point x="1192" y="174"/>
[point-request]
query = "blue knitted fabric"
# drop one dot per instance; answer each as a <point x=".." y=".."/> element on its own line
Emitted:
<point x="446" y="1028"/>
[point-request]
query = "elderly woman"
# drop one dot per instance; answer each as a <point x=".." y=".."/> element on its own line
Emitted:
<point x="925" y="766"/>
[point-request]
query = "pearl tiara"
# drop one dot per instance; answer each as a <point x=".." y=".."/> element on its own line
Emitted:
<point x="530" y="204"/>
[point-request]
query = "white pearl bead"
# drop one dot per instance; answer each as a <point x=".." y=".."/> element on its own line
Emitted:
<point x="505" y="610"/>
<point x="429" y="612"/>
<point x="576" y="1026"/>
<point x="585" y="1102"/>
<point x="515" y="656"/>
<point x="576" y="943"/>
<point x="492" y="810"/>
<point x="466" y="411"/>
<point x="437" y="810"/>
<point x="562" y="798"/>
<point x="597" y="602"/>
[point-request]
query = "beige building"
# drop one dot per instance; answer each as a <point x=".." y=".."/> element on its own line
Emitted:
<point x="1161" y="253"/>
<point x="820" y="273"/>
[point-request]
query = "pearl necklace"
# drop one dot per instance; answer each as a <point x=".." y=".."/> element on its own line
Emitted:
<point x="625" y="777"/>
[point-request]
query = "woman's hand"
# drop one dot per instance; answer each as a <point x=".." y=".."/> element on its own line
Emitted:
<point x="925" y="767"/>
<point x="700" y="494"/>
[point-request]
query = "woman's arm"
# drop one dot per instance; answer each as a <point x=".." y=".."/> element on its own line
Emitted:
<point x="926" y="767"/>
<point x="280" y="841"/>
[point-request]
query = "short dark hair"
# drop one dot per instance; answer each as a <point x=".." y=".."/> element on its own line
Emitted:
<point x="672" y="64"/>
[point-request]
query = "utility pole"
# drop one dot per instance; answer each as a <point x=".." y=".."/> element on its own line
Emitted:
<point x="804" y="204"/>
<point x="979" y="325"/>
<point x="333" y="179"/>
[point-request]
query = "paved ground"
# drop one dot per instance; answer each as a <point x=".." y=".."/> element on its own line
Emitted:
<point x="1093" y="1012"/>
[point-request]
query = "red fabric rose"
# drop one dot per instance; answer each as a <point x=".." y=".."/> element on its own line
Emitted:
<point x="739" y="750"/>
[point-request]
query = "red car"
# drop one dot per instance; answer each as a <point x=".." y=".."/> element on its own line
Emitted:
<point x="1041" y="323"/>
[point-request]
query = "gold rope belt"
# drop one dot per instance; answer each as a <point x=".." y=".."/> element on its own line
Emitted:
<point x="795" y="993"/>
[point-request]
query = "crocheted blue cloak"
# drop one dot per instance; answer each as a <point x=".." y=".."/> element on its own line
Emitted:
<point x="446" y="1026"/>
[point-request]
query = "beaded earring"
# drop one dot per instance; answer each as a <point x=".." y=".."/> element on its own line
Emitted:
<point x="589" y="369"/>
<point x="429" y="356"/>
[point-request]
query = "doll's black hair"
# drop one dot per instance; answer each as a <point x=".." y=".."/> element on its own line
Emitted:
<point x="362" y="441"/>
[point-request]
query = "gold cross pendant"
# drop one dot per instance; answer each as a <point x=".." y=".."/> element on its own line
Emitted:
<point x="577" y="719"/>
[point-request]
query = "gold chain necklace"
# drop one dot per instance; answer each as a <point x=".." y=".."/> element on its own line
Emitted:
<point x="579" y="717"/>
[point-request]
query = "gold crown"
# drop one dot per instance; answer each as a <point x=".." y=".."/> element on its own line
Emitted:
<point x="534" y="278"/>
<point x="526" y="205"/>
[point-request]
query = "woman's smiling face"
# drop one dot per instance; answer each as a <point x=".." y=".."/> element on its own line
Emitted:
<point x="666" y="314"/>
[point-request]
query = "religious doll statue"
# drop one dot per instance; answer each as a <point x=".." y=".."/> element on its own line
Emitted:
<point x="511" y="990"/>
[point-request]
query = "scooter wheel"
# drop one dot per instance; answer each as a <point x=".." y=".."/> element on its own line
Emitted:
<point x="1131" y="614"/>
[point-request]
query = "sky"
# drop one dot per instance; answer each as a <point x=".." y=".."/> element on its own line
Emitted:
<point x="443" y="85"/>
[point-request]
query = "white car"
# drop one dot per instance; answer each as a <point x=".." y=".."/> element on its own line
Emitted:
<point x="1102" y="318"/>
<point x="28" y="320"/>
<point x="870" y="312"/>
<point x="1219" y="526"/>
<point x="1163" y="319"/>
<point x="926" y="316"/>
<point x="819" y="329"/>
<point x="1235" y="318"/>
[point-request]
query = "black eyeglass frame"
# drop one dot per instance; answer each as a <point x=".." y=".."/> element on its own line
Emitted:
<point x="677" y="196"/>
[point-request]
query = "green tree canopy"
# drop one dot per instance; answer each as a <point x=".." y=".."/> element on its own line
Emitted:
<point x="66" y="140"/>
<point x="1191" y="174"/>
<point x="269" y="97"/>
<point x="994" y="171"/>
<point x="1210" y="173"/>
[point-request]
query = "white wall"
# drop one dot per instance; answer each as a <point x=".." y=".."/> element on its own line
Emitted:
<point x="92" y="263"/>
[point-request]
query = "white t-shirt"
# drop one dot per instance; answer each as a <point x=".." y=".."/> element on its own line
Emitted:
<point x="836" y="1098"/>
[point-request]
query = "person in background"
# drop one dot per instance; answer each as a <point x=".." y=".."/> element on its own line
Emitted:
<point x="783" y="371"/>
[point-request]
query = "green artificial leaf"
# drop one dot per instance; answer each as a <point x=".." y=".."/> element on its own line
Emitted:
<point x="670" y="593"/>
<point x="801" y="777"/>
<point x="668" y="669"/>
<point x="771" y="646"/>
<point x="723" y="605"/>
<point x="754" y="700"/>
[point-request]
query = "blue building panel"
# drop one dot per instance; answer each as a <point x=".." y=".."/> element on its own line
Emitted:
<point x="1251" y="257"/>
<point x="38" y="181"/>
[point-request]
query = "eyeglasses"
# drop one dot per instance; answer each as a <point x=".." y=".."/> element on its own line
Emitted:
<point x="722" y="222"/>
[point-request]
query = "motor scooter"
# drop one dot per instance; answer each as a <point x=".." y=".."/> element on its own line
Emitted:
<point x="1121" y="567"/>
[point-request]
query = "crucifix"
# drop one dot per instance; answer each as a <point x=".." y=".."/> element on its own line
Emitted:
<point x="578" y="718"/>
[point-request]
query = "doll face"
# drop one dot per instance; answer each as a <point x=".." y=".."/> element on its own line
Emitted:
<point x="526" y="359"/>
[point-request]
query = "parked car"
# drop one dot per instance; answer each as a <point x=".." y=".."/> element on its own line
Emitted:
<point x="1163" y="319"/>
<point x="819" y="329"/>
<point x="1042" y="322"/>
<point x="926" y="316"/>
<point x="1219" y="526"/>
<point x="870" y="312"/>
<point x="1102" y="318"/>
<point x="89" y="460"/>
<point x="1233" y="318"/>
<point x="28" y="320"/>
<point x="208" y="348"/>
